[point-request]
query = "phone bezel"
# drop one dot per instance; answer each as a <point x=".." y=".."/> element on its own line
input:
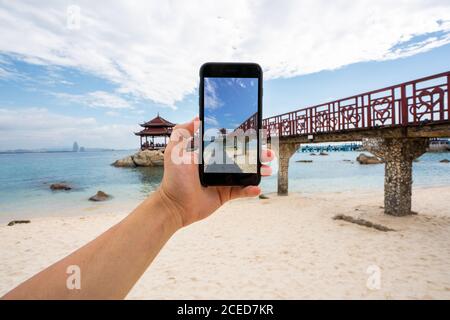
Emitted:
<point x="230" y="70"/>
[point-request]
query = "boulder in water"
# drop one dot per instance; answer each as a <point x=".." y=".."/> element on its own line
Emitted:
<point x="145" y="158"/>
<point x="100" y="196"/>
<point x="365" y="159"/>
<point x="149" y="158"/>
<point x="444" y="161"/>
<point x="60" y="186"/>
<point x="126" y="162"/>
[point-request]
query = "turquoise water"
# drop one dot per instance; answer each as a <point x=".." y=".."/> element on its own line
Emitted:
<point x="25" y="180"/>
<point x="331" y="173"/>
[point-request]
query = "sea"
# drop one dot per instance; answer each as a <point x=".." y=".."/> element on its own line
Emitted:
<point x="25" y="180"/>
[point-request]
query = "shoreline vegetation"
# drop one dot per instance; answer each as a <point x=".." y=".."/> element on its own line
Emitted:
<point x="293" y="248"/>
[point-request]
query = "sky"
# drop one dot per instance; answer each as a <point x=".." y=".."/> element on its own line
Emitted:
<point x="91" y="71"/>
<point x="229" y="102"/>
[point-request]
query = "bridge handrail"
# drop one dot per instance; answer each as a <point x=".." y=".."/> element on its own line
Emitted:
<point x="409" y="103"/>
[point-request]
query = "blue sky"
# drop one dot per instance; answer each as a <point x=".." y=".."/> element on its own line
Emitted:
<point x="229" y="101"/>
<point x="282" y="95"/>
<point x="63" y="92"/>
<point x="94" y="78"/>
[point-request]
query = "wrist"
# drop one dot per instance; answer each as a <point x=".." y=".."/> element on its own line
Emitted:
<point x="172" y="211"/>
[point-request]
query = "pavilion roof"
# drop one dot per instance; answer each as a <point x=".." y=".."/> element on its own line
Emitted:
<point x="155" y="131"/>
<point x="158" y="122"/>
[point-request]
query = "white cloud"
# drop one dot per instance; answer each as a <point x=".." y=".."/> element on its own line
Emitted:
<point x="212" y="101"/>
<point x="37" y="127"/>
<point x="212" y="121"/>
<point x="96" y="99"/>
<point x="153" y="49"/>
<point x="240" y="83"/>
<point x="139" y="112"/>
<point x="112" y="113"/>
<point x="4" y="74"/>
<point x="7" y="71"/>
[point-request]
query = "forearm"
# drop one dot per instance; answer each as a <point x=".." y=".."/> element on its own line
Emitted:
<point x="112" y="263"/>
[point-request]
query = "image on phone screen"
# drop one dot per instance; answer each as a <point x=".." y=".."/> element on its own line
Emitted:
<point x="230" y="104"/>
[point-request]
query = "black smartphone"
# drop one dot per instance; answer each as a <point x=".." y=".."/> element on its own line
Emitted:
<point x="230" y="100"/>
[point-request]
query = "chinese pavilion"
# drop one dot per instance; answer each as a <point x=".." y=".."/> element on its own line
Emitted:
<point x="157" y="127"/>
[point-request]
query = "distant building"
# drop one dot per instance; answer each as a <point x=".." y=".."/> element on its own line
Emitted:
<point x="439" y="145"/>
<point x="75" y="147"/>
<point x="82" y="149"/>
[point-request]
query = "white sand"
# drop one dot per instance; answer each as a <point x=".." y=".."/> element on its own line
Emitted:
<point x="284" y="247"/>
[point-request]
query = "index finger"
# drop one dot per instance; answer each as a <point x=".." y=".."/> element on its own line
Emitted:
<point x="191" y="126"/>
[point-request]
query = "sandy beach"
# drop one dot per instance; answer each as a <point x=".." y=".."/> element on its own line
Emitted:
<point x="279" y="248"/>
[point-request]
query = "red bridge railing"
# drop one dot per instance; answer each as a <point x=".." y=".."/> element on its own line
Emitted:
<point x="416" y="102"/>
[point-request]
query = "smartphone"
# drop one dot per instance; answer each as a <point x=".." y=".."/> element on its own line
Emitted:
<point x="230" y="100"/>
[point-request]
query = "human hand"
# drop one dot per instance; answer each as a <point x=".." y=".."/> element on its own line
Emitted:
<point x="181" y="190"/>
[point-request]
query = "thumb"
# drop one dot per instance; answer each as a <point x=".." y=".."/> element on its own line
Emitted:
<point x="243" y="192"/>
<point x="183" y="132"/>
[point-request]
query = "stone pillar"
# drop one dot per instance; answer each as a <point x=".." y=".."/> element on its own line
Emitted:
<point x="286" y="150"/>
<point x="398" y="155"/>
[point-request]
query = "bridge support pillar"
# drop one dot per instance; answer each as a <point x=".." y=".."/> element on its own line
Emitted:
<point x="398" y="154"/>
<point x="286" y="150"/>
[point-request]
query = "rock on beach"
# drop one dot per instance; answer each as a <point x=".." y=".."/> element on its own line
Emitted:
<point x="60" y="186"/>
<point x="145" y="158"/>
<point x="366" y="159"/>
<point x="100" y="196"/>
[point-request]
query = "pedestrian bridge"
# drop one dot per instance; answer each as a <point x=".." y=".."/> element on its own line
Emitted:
<point x="393" y="123"/>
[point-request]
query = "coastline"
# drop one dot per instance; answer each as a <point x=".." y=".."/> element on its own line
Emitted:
<point x="25" y="180"/>
<point x="279" y="248"/>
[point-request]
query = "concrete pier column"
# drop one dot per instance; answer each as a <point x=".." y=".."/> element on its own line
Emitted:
<point x="398" y="155"/>
<point x="286" y="150"/>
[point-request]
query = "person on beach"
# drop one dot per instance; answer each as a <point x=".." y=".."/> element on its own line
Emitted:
<point x="112" y="263"/>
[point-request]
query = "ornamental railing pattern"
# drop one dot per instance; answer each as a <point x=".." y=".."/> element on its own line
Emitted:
<point x="416" y="102"/>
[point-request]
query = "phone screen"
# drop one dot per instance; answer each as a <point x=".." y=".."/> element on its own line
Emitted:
<point x="230" y="142"/>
